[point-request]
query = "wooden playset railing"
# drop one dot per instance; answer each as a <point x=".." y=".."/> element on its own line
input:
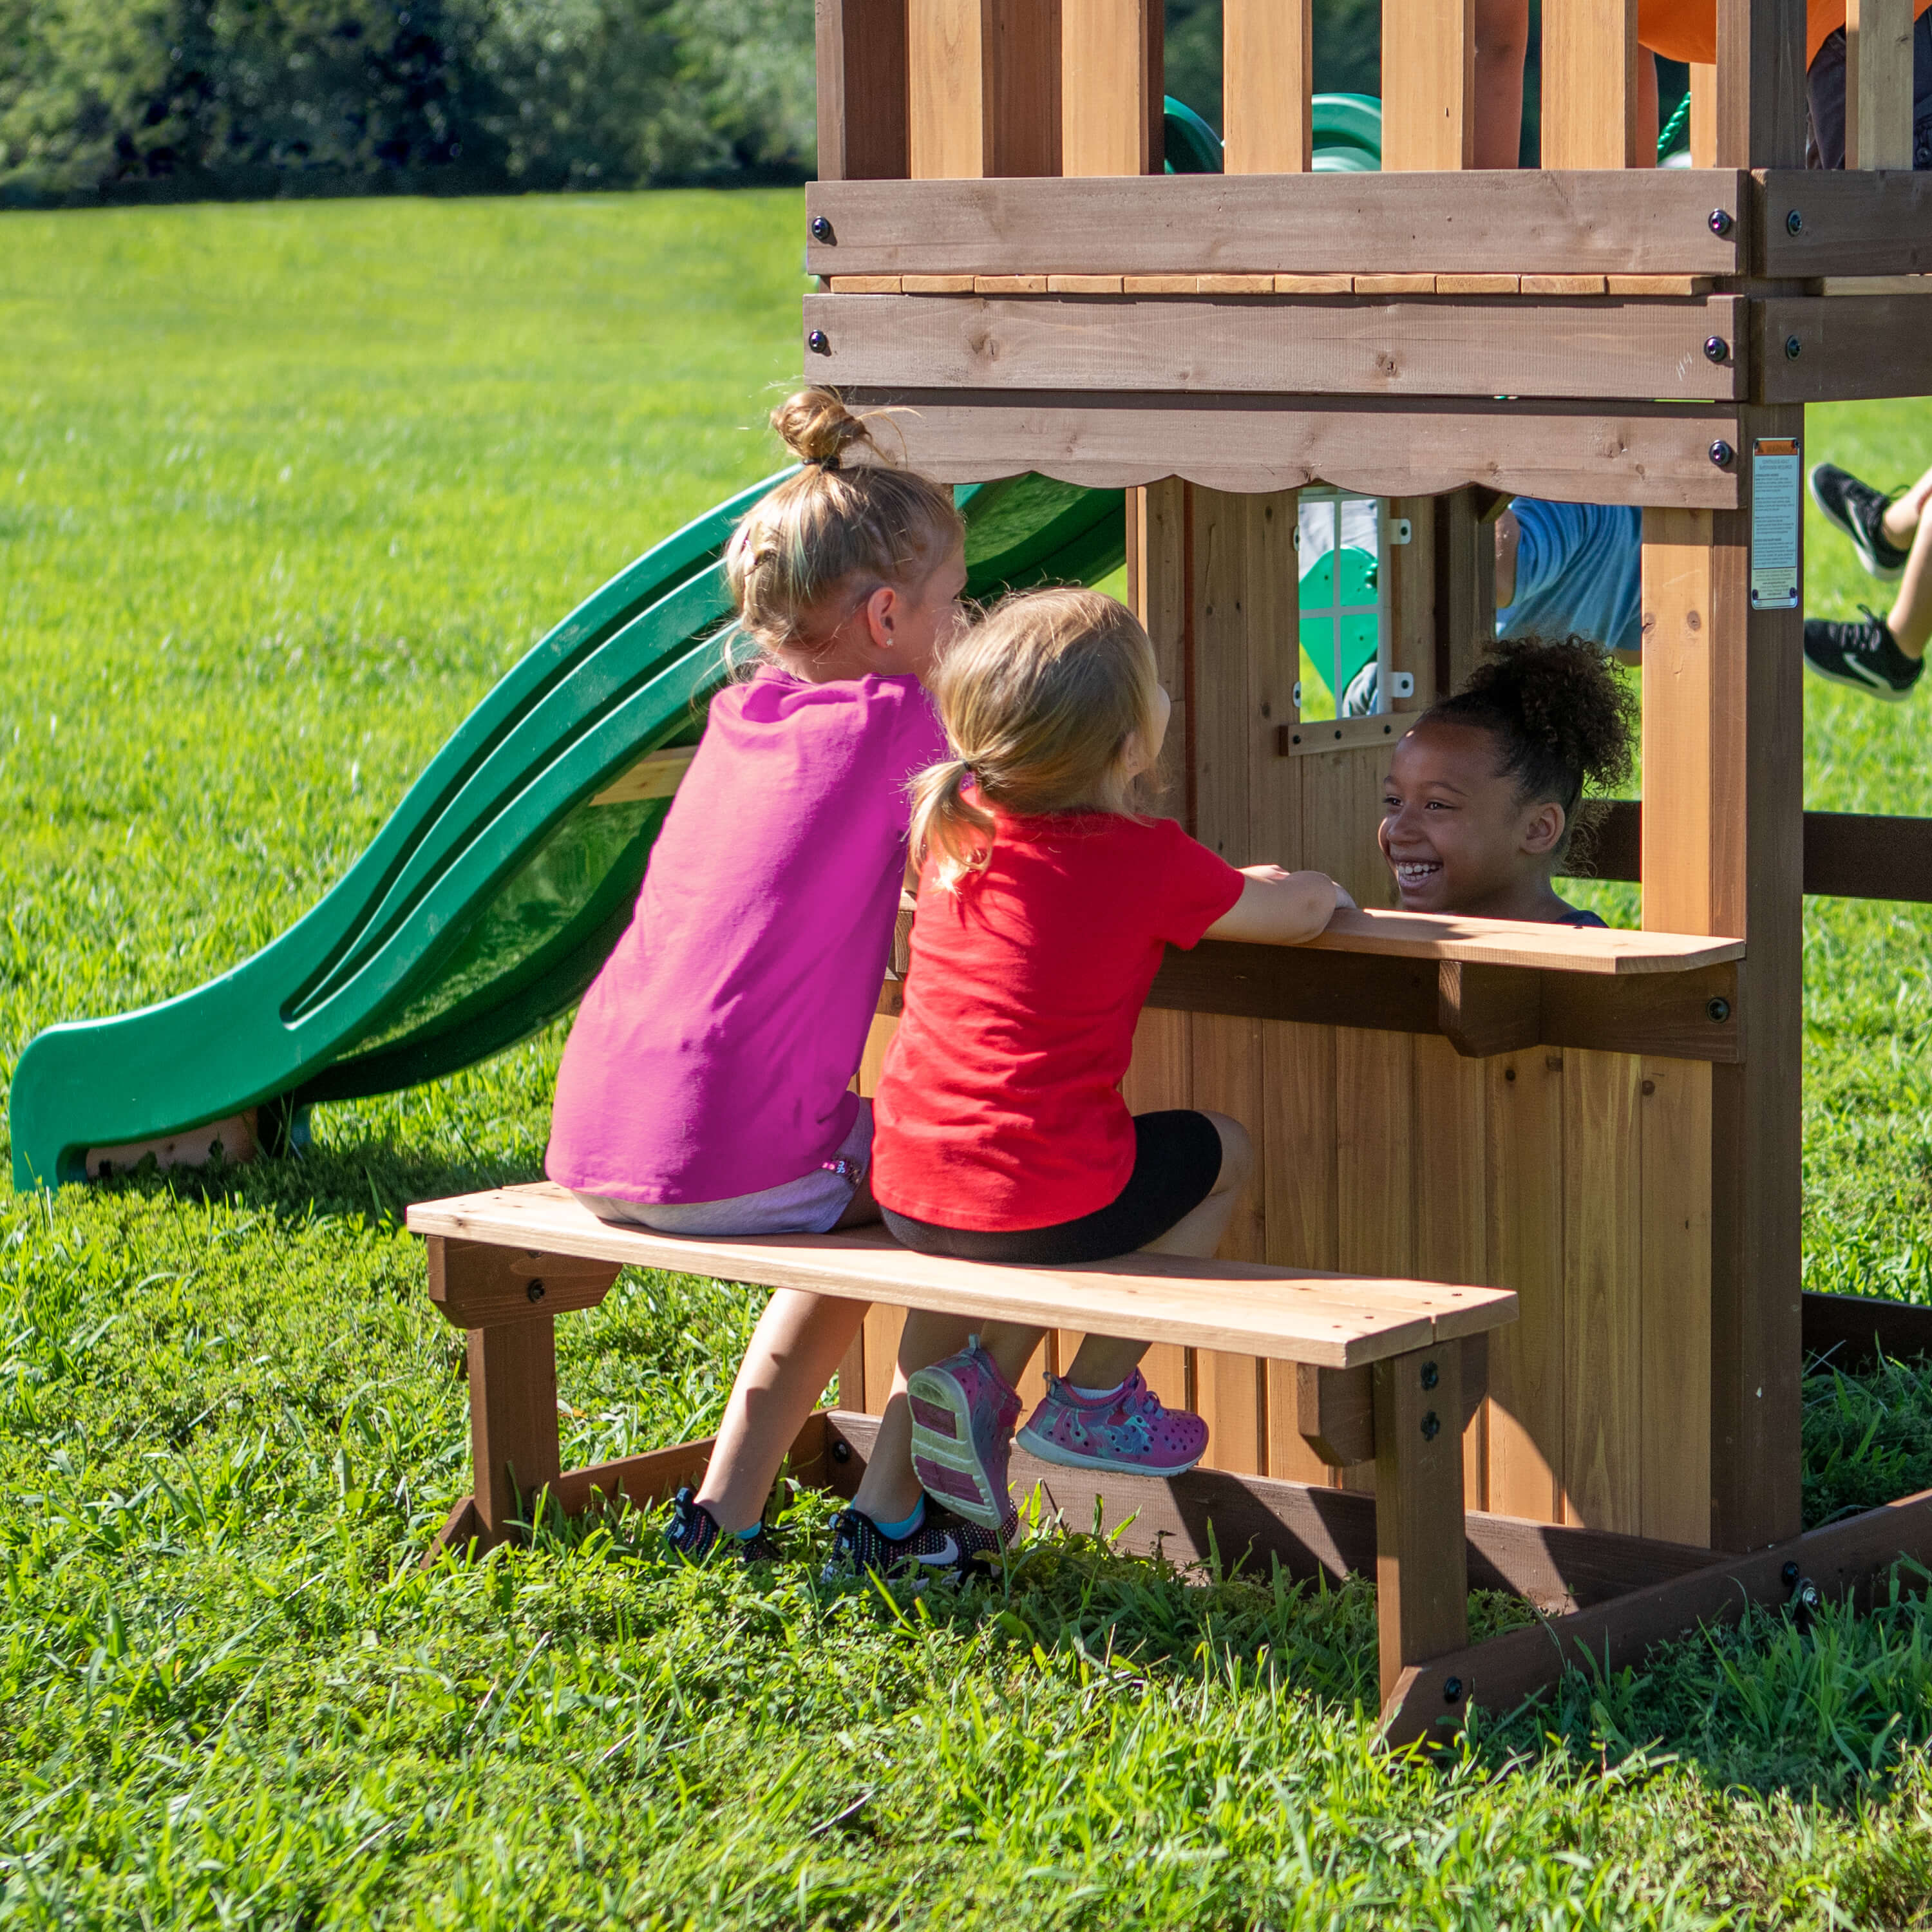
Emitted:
<point x="1603" y="1126"/>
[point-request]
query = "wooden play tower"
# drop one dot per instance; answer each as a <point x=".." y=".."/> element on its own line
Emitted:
<point x="999" y="250"/>
<point x="1604" y="1124"/>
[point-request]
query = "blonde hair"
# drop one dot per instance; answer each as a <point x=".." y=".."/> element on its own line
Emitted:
<point x="1043" y="703"/>
<point x="835" y="521"/>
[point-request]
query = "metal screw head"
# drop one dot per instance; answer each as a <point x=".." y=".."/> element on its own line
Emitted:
<point x="1431" y="1428"/>
<point x="1716" y="348"/>
<point x="534" y="1291"/>
<point x="1721" y="221"/>
<point x="1718" y="1008"/>
<point x="1789" y="1575"/>
<point x="1430" y="1376"/>
<point x="819" y="343"/>
<point x="1721" y="453"/>
<point x="841" y="1450"/>
<point x="1794" y="223"/>
<point x="1452" y="1689"/>
<point x="821" y="229"/>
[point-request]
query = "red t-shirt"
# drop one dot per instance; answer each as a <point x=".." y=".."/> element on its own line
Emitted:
<point x="999" y="1107"/>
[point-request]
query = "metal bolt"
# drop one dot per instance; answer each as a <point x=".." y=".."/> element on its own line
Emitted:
<point x="1430" y="1377"/>
<point x="1716" y="348"/>
<point x="1721" y="221"/>
<point x="821" y="229"/>
<point x="1452" y="1689"/>
<point x="819" y="343"/>
<point x="1789" y="1576"/>
<point x="1431" y="1428"/>
<point x="1718" y="1008"/>
<point x="1793" y="348"/>
<point x="841" y="1450"/>
<point x="1721" y="453"/>
<point x="534" y="1291"/>
<point x="1794" y="223"/>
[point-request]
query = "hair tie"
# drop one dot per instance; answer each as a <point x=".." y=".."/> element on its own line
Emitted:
<point x="825" y="462"/>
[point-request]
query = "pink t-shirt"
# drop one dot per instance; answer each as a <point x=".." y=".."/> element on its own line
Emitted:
<point x="713" y="1055"/>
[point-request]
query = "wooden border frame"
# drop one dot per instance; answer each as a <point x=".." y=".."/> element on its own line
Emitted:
<point x="1595" y="346"/>
<point x="1605" y="221"/>
<point x="1638" y="452"/>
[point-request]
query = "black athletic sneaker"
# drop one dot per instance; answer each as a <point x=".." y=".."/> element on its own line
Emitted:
<point x="1858" y="510"/>
<point x="693" y="1532"/>
<point x="1866" y="656"/>
<point x="943" y="1545"/>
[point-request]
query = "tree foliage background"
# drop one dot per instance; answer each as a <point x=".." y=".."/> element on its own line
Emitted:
<point x="147" y="99"/>
<point x="135" y="100"/>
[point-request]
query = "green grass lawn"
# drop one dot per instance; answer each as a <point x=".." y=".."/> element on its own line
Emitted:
<point x="282" y="490"/>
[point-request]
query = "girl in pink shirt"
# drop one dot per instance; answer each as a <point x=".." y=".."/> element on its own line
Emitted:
<point x="707" y="1086"/>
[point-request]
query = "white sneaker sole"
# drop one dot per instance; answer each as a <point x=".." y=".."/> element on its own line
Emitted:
<point x="1885" y="694"/>
<point x="1038" y="1446"/>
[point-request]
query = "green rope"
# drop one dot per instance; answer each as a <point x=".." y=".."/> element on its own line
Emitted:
<point x="1675" y="127"/>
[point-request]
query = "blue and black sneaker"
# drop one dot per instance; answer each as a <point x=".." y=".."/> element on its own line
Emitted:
<point x="1865" y="655"/>
<point x="943" y="1545"/>
<point x="1858" y="510"/>
<point x="694" y="1533"/>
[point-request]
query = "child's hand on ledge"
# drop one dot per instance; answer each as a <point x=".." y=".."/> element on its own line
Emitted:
<point x="1280" y="908"/>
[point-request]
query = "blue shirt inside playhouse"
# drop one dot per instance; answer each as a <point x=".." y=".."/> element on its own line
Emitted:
<point x="1579" y="573"/>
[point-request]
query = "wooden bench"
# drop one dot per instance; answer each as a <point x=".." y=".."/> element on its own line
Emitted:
<point x="1382" y="1366"/>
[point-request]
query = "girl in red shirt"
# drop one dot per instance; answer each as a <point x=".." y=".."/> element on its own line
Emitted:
<point x="1045" y="900"/>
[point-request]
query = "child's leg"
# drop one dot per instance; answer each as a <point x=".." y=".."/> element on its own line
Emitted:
<point x="1502" y="41"/>
<point x="1105" y="1361"/>
<point x="1910" y="621"/>
<point x="794" y="1350"/>
<point x="889" y="1491"/>
<point x="1905" y="512"/>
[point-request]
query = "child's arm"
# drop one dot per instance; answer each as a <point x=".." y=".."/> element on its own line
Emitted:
<point x="1280" y="908"/>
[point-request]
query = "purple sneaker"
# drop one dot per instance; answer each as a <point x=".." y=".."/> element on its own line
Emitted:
<point x="1129" y="1431"/>
<point x="963" y="1413"/>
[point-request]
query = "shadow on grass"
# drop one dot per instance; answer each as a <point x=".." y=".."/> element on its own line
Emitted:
<point x="373" y="1180"/>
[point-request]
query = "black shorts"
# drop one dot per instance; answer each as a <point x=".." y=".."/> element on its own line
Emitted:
<point x="1176" y="1162"/>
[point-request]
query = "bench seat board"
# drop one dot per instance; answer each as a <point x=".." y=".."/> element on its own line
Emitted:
<point x="1328" y="1320"/>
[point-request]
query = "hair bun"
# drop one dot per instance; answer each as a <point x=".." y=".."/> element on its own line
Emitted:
<point x="816" y="426"/>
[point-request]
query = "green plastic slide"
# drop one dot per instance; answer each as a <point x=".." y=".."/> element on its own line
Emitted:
<point x="486" y="903"/>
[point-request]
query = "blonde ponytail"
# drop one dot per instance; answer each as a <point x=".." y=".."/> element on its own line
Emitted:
<point x="948" y="826"/>
<point x="847" y="522"/>
<point x="1052" y="705"/>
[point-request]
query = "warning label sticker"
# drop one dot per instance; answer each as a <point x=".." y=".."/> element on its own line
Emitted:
<point x="1777" y="507"/>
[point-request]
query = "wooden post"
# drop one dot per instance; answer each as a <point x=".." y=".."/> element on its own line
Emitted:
<point x="983" y="88"/>
<point x="1724" y="776"/>
<point x="1110" y="56"/>
<point x="1465" y="588"/>
<point x="513" y="1439"/>
<point x="1589" y="84"/>
<point x="862" y="90"/>
<point x="1703" y="114"/>
<point x="1878" y="83"/>
<point x="1761" y="110"/>
<point x="1421" y="1564"/>
<point x="1267" y="72"/>
<point x="1429" y="84"/>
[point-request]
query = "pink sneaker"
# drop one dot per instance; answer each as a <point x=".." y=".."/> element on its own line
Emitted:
<point x="1129" y="1431"/>
<point x="963" y="1413"/>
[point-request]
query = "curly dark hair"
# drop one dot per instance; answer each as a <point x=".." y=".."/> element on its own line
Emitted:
<point x="1561" y="718"/>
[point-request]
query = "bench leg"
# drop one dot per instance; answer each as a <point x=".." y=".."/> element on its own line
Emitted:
<point x="1422" y="1581"/>
<point x="513" y="1439"/>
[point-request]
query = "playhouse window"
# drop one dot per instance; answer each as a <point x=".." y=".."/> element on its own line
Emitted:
<point x="1341" y="542"/>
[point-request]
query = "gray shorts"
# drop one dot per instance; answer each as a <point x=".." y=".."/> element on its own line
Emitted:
<point x="810" y="1205"/>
